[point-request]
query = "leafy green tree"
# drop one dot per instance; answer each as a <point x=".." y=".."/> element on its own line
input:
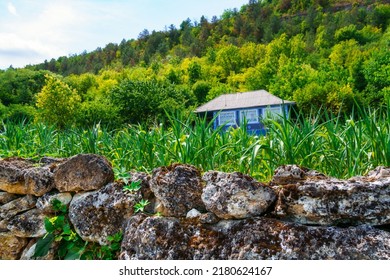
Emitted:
<point x="57" y="103"/>
<point x="147" y="101"/>
<point x="201" y="89"/>
<point x="229" y="59"/>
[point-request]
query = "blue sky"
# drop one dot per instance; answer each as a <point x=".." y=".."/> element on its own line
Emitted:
<point x="34" y="30"/>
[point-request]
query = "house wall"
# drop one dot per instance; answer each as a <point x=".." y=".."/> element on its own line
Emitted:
<point x="254" y="127"/>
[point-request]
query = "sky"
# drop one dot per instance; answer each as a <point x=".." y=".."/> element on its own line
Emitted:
<point x="34" y="30"/>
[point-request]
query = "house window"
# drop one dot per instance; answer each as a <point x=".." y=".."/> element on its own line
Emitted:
<point x="227" y="118"/>
<point x="272" y="112"/>
<point x="251" y="116"/>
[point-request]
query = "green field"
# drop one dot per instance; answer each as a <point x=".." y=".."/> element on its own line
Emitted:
<point x="338" y="146"/>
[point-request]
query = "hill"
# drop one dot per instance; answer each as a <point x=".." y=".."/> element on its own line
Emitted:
<point x="319" y="53"/>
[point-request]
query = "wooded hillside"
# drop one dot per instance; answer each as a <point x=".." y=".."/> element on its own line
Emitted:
<point x="318" y="53"/>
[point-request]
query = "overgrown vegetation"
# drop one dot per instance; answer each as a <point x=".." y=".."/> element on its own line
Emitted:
<point x="341" y="145"/>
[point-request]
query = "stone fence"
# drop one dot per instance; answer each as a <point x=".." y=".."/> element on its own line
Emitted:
<point x="301" y="214"/>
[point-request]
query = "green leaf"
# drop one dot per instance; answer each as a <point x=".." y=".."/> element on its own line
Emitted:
<point x="43" y="245"/>
<point x="49" y="226"/>
<point x="73" y="255"/>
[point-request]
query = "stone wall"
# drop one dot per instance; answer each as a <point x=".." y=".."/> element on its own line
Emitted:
<point x="300" y="214"/>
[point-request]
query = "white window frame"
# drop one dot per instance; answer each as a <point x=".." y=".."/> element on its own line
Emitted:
<point x="229" y="120"/>
<point x="273" y="112"/>
<point x="245" y="113"/>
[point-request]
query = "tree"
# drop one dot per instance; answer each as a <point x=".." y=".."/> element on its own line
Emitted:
<point x="57" y="103"/>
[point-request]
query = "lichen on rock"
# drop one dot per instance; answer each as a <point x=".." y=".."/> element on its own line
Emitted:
<point x="154" y="238"/>
<point x="102" y="213"/>
<point x="235" y="195"/>
<point x="11" y="246"/>
<point x="179" y="188"/>
<point x="83" y="172"/>
<point x="22" y="176"/>
<point x="28" y="224"/>
<point x="330" y="201"/>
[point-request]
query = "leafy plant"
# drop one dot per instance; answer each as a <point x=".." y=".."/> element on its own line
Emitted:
<point x="140" y="206"/>
<point x="122" y="174"/>
<point x="59" y="230"/>
<point x="133" y="186"/>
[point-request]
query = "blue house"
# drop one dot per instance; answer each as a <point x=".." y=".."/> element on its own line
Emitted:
<point x="246" y="107"/>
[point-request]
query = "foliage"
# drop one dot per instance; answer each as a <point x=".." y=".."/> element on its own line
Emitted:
<point x="140" y="206"/>
<point x="140" y="101"/>
<point x="341" y="145"/>
<point x="133" y="186"/>
<point x="67" y="244"/>
<point x="57" y="103"/>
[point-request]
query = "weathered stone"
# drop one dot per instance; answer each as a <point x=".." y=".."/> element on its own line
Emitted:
<point x="99" y="214"/>
<point x="7" y="197"/>
<point x="83" y="172"/>
<point x="12" y="208"/>
<point x="178" y="187"/>
<point x="293" y="174"/>
<point x="250" y="239"/>
<point x="20" y="176"/>
<point x="193" y="213"/>
<point x="208" y="218"/>
<point x="11" y="246"/>
<point x="379" y="173"/>
<point x="44" y="203"/>
<point x="28" y="224"/>
<point x="317" y="201"/>
<point x="3" y="225"/>
<point x="154" y="238"/>
<point x="235" y="195"/>
<point x="38" y="180"/>
<point x="50" y="161"/>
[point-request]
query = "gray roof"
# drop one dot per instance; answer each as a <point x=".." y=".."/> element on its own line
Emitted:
<point x="249" y="99"/>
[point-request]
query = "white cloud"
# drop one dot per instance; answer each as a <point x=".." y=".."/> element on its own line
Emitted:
<point x="12" y="9"/>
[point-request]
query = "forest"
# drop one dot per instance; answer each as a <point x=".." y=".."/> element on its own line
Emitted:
<point x="318" y="53"/>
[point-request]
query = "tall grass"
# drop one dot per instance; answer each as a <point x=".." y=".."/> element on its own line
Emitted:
<point x="340" y="147"/>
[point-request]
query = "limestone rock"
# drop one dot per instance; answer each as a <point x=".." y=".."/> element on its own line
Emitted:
<point x="235" y="195"/>
<point x="379" y="172"/>
<point x="99" y="214"/>
<point x="294" y="174"/>
<point x="159" y="238"/>
<point x="83" y="172"/>
<point x="44" y="203"/>
<point x="154" y="238"/>
<point x="264" y="238"/>
<point x="21" y="176"/>
<point x="208" y="218"/>
<point x="7" y="197"/>
<point x="11" y="246"/>
<point x="193" y="213"/>
<point x="28" y="224"/>
<point x="12" y="208"/>
<point x="3" y="225"/>
<point x="318" y="201"/>
<point x="178" y="187"/>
